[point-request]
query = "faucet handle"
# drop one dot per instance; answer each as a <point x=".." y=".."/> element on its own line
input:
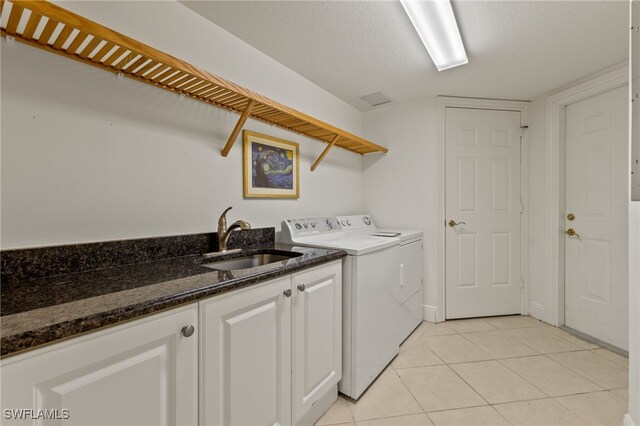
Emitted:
<point x="223" y="217"/>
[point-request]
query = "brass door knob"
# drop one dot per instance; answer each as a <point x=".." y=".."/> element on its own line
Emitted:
<point x="453" y="223"/>
<point x="572" y="233"/>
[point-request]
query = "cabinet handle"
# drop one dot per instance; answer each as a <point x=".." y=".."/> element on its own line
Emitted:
<point x="287" y="292"/>
<point x="301" y="287"/>
<point x="188" y="330"/>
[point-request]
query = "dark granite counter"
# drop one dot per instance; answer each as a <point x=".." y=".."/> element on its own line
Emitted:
<point x="46" y="309"/>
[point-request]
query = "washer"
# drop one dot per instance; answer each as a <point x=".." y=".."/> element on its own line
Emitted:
<point x="370" y="329"/>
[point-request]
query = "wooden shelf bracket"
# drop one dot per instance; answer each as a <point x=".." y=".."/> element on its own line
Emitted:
<point x="326" y="150"/>
<point x="239" y="125"/>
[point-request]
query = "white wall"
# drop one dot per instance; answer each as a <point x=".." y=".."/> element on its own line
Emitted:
<point x="400" y="187"/>
<point x="536" y="157"/>
<point x="634" y="311"/>
<point x="88" y="157"/>
<point x="634" y="225"/>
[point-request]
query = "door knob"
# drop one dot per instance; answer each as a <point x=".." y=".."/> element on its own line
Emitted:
<point x="572" y="233"/>
<point x="301" y="287"/>
<point x="453" y="223"/>
<point x="287" y="292"/>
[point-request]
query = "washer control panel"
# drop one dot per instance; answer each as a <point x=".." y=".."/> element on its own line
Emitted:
<point x="311" y="225"/>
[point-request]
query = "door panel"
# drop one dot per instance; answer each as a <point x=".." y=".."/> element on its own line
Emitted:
<point x="501" y="258"/>
<point x="317" y="335"/>
<point x="140" y="373"/>
<point x="467" y="184"/>
<point x="596" y="259"/>
<point x="467" y="260"/>
<point x="483" y="194"/>
<point x="245" y="357"/>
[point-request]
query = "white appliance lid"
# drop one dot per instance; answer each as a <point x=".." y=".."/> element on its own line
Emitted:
<point x="354" y="244"/>
<point x="405" y="234"/>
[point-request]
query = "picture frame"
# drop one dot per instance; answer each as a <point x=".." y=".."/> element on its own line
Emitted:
<point x="270" y="166"/>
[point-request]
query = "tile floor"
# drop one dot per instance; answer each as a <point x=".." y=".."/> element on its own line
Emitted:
<point x="492" y="371"/>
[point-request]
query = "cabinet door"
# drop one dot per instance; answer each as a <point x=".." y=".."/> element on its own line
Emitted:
<point x="139" y="373"/>
<point x="411" y="269"/>
<point x="317" y="335"/>
<point x="245" y="356"/>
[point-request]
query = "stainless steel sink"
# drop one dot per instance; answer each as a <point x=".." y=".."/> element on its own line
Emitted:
<point x="251" y="261"/>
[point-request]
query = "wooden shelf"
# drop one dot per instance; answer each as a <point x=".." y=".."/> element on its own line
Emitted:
<point x="60" y="31"/>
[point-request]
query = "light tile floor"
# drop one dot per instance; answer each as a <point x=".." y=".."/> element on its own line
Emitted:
<point x="496" y="371"/>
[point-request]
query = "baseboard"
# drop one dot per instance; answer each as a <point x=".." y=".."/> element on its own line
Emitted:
<point x="536" y="310"/>
<point x="430" y="313"/>
<point x="627" y="421"/>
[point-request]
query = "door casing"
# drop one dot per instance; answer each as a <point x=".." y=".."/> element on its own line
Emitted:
<point x="436" y="313"/>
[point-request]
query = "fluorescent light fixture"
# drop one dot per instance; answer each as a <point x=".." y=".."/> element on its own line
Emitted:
<point x="436" y="25"/>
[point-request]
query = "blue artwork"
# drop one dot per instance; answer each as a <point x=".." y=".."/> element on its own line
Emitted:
<point x="271" y="167"/>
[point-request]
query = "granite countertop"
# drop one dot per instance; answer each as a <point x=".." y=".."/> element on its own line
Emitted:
<point x="47" y="309"/>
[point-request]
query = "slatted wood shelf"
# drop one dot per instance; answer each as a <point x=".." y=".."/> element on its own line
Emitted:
<point x="47" y="26"/>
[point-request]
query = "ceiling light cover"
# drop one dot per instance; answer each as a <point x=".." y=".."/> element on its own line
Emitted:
<point x="436" y="25"/>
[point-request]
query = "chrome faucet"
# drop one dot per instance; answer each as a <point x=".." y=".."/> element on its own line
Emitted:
<point x="224" y="232"/>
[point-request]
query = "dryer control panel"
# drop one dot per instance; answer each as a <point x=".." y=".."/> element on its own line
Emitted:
<point x="360" y="221"/>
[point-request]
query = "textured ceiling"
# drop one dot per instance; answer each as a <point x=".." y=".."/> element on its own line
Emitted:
<point x="516" y="49"/>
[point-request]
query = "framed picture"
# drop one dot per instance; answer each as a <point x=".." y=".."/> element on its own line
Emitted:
<point x="270" y="167"/>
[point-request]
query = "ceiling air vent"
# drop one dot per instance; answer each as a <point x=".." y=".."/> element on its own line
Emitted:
<point x="375" y="99"/>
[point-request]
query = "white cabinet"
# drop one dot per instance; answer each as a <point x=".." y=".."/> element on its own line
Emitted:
<point x="270" y="353"/>
<point x="317" y="336"/>
<point x="245" y="356"/>
<point x="139" y="373"/>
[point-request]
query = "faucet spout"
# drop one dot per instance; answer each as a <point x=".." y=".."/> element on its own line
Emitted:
<point x="224" y="232"/>
<point x="239" y="224"/>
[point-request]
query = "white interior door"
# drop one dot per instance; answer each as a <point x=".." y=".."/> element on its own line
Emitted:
<point x="483" y="195"/>
<point x="596" y="194"/>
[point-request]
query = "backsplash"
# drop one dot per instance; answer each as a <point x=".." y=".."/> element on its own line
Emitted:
<point x="26" y="264"/>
